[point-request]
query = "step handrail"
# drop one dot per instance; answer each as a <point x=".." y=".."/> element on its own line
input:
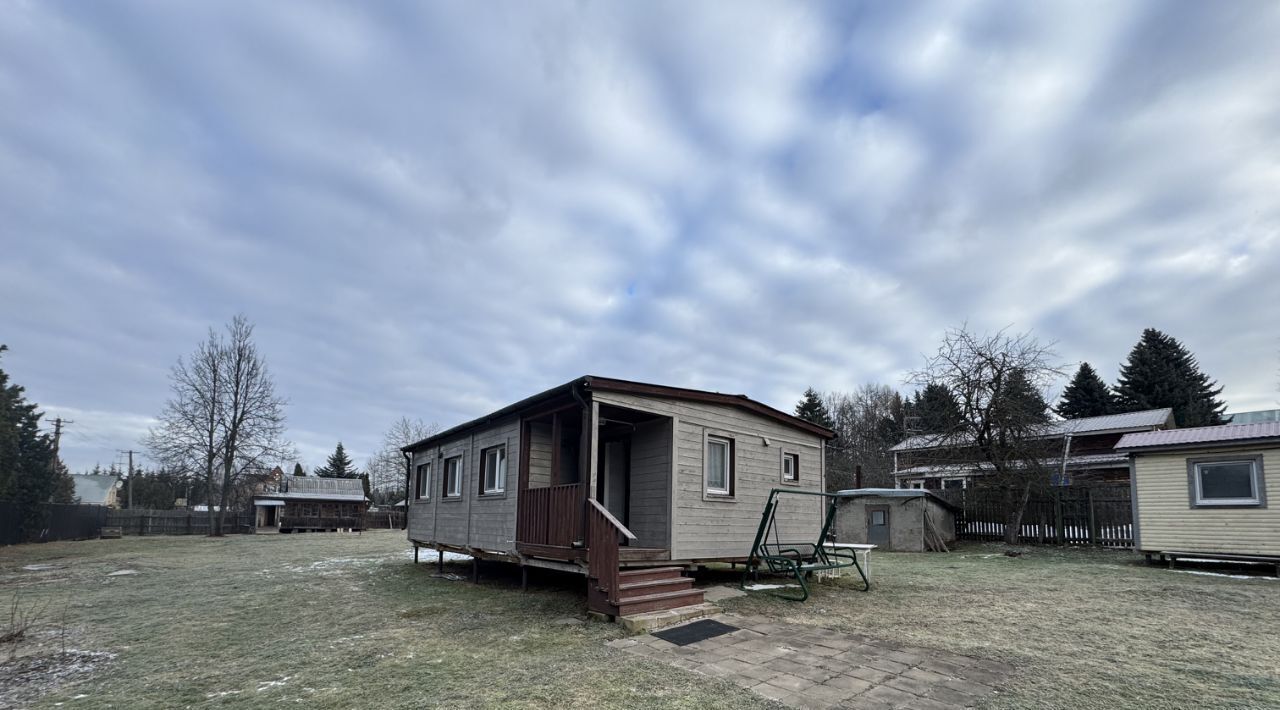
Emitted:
<point x="602" y="550"/>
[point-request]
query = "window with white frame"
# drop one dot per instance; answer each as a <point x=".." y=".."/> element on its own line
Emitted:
<point x="494" y="461"/>
<point x="916" y="484"/>
<point x="1226" y="482"/>
<point x="790" y="467"/>
<point x="950" y="483"/>
<point x="453" y="477"/>
<point x="424" y="482"/>
<point x="719" y="466"/>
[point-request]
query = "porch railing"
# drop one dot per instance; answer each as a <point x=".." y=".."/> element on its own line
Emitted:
<point x="550" y="516"/>
<point x="603" y="531"/>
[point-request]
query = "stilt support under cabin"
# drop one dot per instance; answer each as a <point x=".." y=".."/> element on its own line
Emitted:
<point x="415" y="554"/>
<point x="524" y="578"/>
<point x="475" y="570"/>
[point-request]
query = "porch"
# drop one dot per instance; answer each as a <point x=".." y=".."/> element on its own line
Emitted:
<point x="594" y="491"/>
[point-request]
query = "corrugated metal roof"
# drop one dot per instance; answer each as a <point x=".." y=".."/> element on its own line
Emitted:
<point x="1200" y="435"/>
<point x="317" y="488"/>
<point x="895" y="493"/>
<point x="1146" y="419"/>
<point x="93" y="490"/>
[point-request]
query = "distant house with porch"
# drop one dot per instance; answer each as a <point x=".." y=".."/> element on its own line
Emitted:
<point x="97" y="489"/>
<point x="310" y="504"/>
<point x="624" y="482"/>
<point x="1087" y="445"/>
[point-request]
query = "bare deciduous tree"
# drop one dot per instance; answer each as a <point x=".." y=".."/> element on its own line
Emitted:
<point x="387" y="468"/>
<point x="224" y="418"/>
<point x="999" y="382"/>
<point x="867" y="422"/>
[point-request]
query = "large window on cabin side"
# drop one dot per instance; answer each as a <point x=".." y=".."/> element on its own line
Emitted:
<point x="453" y="477"/>
<point x="1227" y="482"/>
<point x="719" y="466"/>
<point x="495" y="470"/>
<point x="424" y="482"/>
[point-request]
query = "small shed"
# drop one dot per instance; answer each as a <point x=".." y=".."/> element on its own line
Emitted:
<point x="96" y="489"/>
<point x="896" y="519"/>
<point x="1203" y="493"/>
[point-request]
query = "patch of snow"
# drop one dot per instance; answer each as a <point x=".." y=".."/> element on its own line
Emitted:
<point x="222" y="694"/>
<point x="269" y="684"/>
<point x="759" y="587"/>
<point x="40" y="568"/>
<point x="448" y="556"/>
<point x="1228" y="576"/>
<point x="1222" y="562"/>
<point x="122" y="573"/>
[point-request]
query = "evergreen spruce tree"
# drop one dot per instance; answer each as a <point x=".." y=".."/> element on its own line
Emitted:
<point x="297" y="470"/>
<point x="339" y="465"/>
<point x="30" y="475"/>
<point x="933" y="410"/>
<point x="1160" y="372"/>
<point x="811" y="409"/>
<point x="1086" y="395"/>
<point x="1019" y="403"/>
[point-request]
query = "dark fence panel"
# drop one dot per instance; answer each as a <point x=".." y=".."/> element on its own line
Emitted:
<point x="55" y="522"/>
<point x="386" y="519"/>
<point x="175" y="522"/>
<point x="1070" y="515"/>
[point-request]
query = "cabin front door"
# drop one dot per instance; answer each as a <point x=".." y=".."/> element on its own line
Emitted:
<point x="615" y="478"/>
<point x="878" y="525"/>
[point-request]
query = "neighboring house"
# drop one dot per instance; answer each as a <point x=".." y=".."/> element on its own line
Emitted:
<point x="91" y="489"/>
<point x="1254" y="417"/>
<point x="896" y="519"/>
<point x="309" y="503"/>
<point x="599" y="474"/>
<point x="1088" y="454"/>
<point x="1203" y="492"/>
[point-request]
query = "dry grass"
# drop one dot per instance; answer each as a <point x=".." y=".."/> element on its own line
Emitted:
<point x="1086" y="628"/>
<point x="338" y="621"/>
<point x="328" y="621"/>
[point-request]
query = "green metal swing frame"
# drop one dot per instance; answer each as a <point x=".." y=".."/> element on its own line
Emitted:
<point x="797" y="559"/>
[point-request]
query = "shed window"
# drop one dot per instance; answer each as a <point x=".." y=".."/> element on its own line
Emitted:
<point x="1227" y="482"/>
<point x="719" y="466"/>
<point x="790" y="467"/>
<point x="453" y="477"/>
<point x="424" y="482"/>
<point x="495" y="470"/>
<point x="879" y="517"/>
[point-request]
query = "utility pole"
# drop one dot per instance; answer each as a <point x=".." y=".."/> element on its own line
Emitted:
<point x="131" y="452"/>
<point x="57" y="437"/>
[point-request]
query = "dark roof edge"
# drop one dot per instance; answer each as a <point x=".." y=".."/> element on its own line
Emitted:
<point x="605" y="384"/>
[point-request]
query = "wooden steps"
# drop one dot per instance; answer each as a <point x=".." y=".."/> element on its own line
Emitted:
<point x="649" y="590"/>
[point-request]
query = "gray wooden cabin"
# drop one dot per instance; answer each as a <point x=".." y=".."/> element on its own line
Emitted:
<point x="617" y="480"/>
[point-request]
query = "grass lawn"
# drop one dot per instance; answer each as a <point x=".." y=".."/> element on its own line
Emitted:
<point x="339" y="621"/>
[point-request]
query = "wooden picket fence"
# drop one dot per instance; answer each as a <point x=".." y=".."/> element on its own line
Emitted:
<point x="1069" y="515"/>
<point x="174" y="522"/>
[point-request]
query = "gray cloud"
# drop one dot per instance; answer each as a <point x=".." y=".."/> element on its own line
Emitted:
<point x="431" y="210"/>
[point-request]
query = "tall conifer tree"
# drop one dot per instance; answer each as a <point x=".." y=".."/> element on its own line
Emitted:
<point x="1086" y="395"/>
<point x="1161" y="372"/>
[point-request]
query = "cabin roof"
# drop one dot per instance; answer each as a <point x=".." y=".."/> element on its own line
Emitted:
<point x="1105" y="424"/>
<point x="897" y="493"/>
<point x="605" y="384"/>
<point x="341" y="490"/>
<point x="1257" y="432"/>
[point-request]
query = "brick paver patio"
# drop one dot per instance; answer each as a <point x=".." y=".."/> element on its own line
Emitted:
<point x="812" y="667"/>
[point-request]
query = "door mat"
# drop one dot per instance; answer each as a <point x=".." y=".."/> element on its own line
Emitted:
<point x="695" y="632"/>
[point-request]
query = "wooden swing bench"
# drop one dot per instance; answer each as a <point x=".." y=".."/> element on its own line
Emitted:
<point x="798" y="559"/>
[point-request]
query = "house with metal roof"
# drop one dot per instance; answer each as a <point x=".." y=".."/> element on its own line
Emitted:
<point x="626" y="483"/>
<point x="312" y="503"/>
<point x="97" y="489"/>
<point x="1203" y="492"/>
<point x="1088" y="454"/>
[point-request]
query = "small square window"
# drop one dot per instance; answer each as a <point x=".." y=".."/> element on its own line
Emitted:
<point x="1229" y="483"/>
<point x="495" y="470"/>
<point x="790" y="467"/>
<point x="424" y="482"/>
<point x="453" y="477"/>
<point x="879" y="517"/>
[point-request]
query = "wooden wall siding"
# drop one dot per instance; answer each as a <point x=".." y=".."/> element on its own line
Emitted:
<point x="422" y="513"/>
<point x="472" y="520"/>
<point x="1166" y="521"/>
<point x="539" y="454"/>
<point x="711" y="528"/>
<point x="651" y="484"/>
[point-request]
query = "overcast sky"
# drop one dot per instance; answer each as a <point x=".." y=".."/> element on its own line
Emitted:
<point x="434" y="209"/>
